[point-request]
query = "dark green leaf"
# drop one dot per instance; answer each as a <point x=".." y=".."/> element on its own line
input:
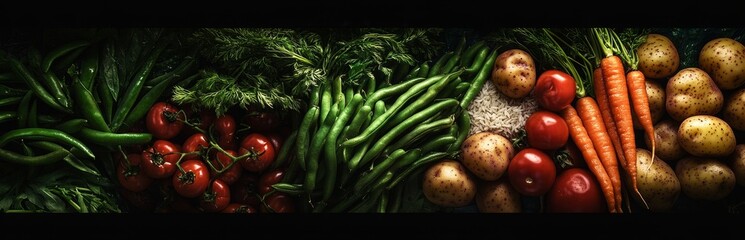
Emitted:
<point x="110" y="70"/>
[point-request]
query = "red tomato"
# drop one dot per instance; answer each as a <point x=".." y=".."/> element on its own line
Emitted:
<point x="229" y="176"/>
<point x="131" y="176"/>
<point x="575" y="190"/>
<point x="164" y="121"/>
<point x="225" y="127"/>
<point x="193" y="181"/>
<point x="270" y="178"/>
<point x="195" y="143"/>
<point x="160" y="159"/>
<point x="244" y="191"/>
<point x="278" y="203"/>
<point x="262" y="152"/>
<point x="215" y="198"/>
<point x="262" y="121"/>
<point x="276" y="139"/>
<point x="554" y="90"/>
<point x="239" y="208"/>
<point x="546" y="130"/>
<point x="531" y="172"/>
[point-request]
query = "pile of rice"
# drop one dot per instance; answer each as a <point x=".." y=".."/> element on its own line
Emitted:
<point x="493" y="111"/>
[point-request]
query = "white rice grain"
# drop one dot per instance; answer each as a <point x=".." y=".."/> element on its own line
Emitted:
<point x="494" y="112"/>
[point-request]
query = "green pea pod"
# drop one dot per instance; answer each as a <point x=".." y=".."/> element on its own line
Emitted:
<point x="479" y="80"/>
<point x="45" y="134"/>
<point x="331" y="161"/>
<point x="379" y="169"/>
<point x="39" y="160"/>
<point x="316" y="145"/>
<point x="114" y="139"/>
<point x="468" y="55"/>
<point x="71" y="159"/>
<point x="8" y="116"/>
<point x="437" y="67"/>
<point x="10" y="101"/>
<point x="72" y="126"/>
<point x="88" y="107"/>
<point x="46" y="63"/>
<point x="464" y="126"/>
<point x="56" y="88"/>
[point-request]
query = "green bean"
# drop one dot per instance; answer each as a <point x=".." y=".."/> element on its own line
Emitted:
<point x="400" y="101"/>
<point x="479" y="81"/>
<point x="39" y="160"/>
<point x="421" y="131"/>
<point x="46" y="63"/>
<point x="7" y="116"/>
<point x="330" y="146"/>
<point x="423" y="100"/>
<point x="392" y="90"/>
<point x="447" y="92"/>
<point x="410" y="157"/>
<point x="150" y="98"/>
<point x="56" y="88"/>
<point x="371" y="87"/>
<point x="6" y="91"/>
<point x="337" y="92"/>
<point x="187" y="64"/>
<point x="88" y="107"/>
<point x="383" y="202"/>
<point x="452" y="62"/>
<point x="437" y="67"/>
<point x="367" y="203"/>
<point x="23" y="109"/>
<point x="461" y="89"/>
<point x="349" y="94"/>
<point x="360" y="150"/>
<point x="424" y="71"/>
<point x="395" y="204"/>
<point x="436" y="143"/>
<point x="416" y="166"/>
<point x="379" y="169"/>
<point x="478" y="62"/>
<point x="72" y="125"/>
<point x="35" y="85"/>
<point x="468" y="55"/>
<point x="89" y="67"/>
<point x="414" y="73"/>
<point x="284" y="150"/>
<point x="357" y="121"/>
<point x="107" y="101"/>
<point x="464" y="126"/>
<point x="113" y="139"/>
<point x="48" y="119"/>
<point x="316" y="145"/>
<point x="10" y="101"/>
<point x="33" y="119"/>
<point x="303" y="135"/>
<point x="400" y="128"/>
<point x="45" y="134"/>
<point x="327" y="99"/>
<point x="71" y="159"/>
<point x="292" y="189"/>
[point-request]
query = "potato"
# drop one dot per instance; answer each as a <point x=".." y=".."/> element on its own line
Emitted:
<point x="487" y="155"/>
<point x="514" y="73"/>
<point x="656" y="96"/>
<point x="734" y="110"/>
<point x="656" y="181"/>
<point x="498" y="197"/>
<point x="706" y="136"/>
<point x="705" y="178"/>
<point x="692" y="92"/>
<point x="448" y="184"/>
<point x="724" y="60"/>
<point x="737" y="164"/>
<point x="667" y="147"/>
<point x="658" y="57"/>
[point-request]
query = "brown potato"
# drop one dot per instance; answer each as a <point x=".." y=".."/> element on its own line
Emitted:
<point x="514" y="73"/>
<point x="656" y="182"/>
<point x="656" y="96"/>
<point x="705" y="178"/>
<point x="658" y="57"/>
<point x="737" y="163"/>
<point x="692" y="92"/>
<point x="734" y="110"/>
<point x="724" y="60"/>
<point x="667" y="147"/>
<point x="706" y="136"/>
<point x="498" y="197"/>
<point x="487" y="155"/>
<point x="448" y="184"/>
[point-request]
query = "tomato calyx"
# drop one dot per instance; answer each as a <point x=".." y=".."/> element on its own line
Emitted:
<point x="131" y="171"/>
<point x="187" y="177"/>
<point x="156" y="157"/>
<point x="520" y="141"/>
<point x="562" y="158"/>
<point x="253" y="155"/>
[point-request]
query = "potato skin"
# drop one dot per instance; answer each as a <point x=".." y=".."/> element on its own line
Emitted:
<point x="737" y="164"/>
<point x="734" y="110"/>
<point x="724" y="60"/>
<point x="692" y="92"/>
<point x="498" y="197"/>
<point x="658" y="57"/>
<point x="666" y="139"/>
<point x="705" y="178"/>
<point x="514" y="73"/>
<point x="656" y="96"/>
<point x="656" y="181"/>
<point x="706" y="136"/>
<point x="448" y="184"/>
<point x="487" y="155"/>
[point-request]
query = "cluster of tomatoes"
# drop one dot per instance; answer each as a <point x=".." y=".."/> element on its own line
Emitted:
<point x="200" y="162"/>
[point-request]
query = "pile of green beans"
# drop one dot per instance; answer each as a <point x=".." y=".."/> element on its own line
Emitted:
<point x="355" y="146"/>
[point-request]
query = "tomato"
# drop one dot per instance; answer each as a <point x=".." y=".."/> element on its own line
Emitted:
<point x="163" y="121"/>
<point x="262" y="152"/>
<point x="225" y="127"/>
<point x="575" y="190"/>
<point x="546" y="130"/>
<point x="216" y="198"/>
<point x="193" y="181"/>
<point x="230" y="175"/>
<point x="139" y="200"/>
<point x="268" y="179"/>
<point x="239" y="208"/>
<point x="554" y="90"/>
<point x="531" y="172"/>
<point x="195" y="143"/>
<point x="278" y="203"/>
<point x="160" y="159"/>
<point x="262" y="121"/>
<point x="244" y="190"/>
<point x="131" y="176"/>
<point x="276" y="139"/>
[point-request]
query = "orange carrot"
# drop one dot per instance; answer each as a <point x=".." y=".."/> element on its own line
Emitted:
<point x="580" y="137"/>
<point x="589" y="112"/>
<point x="602" y="98"/>
<point x="618" y="100"/>
<point x="640" y="101"/>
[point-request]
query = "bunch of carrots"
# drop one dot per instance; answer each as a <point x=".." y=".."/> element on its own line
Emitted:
<point x="602" y="128"/>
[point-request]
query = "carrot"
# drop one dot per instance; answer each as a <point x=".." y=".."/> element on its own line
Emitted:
<point x="579" y="134"/>
<point x="602" y="98"/>
<point x="640" y="101"/>
<point x="589" y="112"/>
